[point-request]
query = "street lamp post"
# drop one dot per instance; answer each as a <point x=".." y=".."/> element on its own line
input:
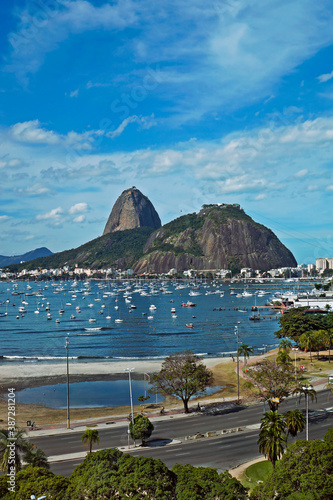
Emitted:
<point x="129" y="370"/>
<point x="236" y="333"/>
<point x="66" y="346"/>
<point x="306" y="390"/>
<point x="148" y="380"/>
<point x="295" y="349"/>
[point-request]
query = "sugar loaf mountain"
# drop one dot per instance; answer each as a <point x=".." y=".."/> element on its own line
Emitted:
<point x="217" y="237"/>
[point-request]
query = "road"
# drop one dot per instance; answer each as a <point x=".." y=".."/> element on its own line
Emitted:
<point x="221" y="452"/>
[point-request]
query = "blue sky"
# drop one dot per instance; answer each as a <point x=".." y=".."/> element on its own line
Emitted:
<point x="208" y="102"/>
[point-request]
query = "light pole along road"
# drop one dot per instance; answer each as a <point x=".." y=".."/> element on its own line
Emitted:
<point x="221" y="452"/>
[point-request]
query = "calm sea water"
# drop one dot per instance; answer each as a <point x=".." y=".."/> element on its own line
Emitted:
<point x="143" y="333"/>
<point x="148" y="329"/>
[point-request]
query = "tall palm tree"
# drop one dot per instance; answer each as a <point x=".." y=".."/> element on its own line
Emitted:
<point x="245" y="350"/>
<point x="285" y="345"/>
<point x="306" y="390"/>
<point x="295" y="422"/>
<point x="283" y="358"/>
<point x="272" y="436"/>
<point x="90" y="436"/>
<point x="306" y="342"/>
<point x="22" y="445"/>
<point x="329" y="341"/>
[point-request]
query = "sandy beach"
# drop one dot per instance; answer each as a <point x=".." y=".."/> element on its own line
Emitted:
<point x="22" y="375"/>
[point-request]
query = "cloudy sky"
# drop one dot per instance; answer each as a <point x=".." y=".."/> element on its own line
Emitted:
<point x="203" y="102"/>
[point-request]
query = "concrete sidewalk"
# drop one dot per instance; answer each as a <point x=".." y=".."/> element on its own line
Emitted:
<point x="119" y="420"/>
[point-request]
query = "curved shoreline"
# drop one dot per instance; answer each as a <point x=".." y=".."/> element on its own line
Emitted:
<point x="23" y="375"/>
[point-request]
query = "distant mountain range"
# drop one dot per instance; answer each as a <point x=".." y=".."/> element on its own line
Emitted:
<point x="16" y="259"/>
<point x="220" y="236"/>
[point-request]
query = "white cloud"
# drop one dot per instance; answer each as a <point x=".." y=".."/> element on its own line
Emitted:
<point x="79" y="218"/>
<point x="91" y="84"/>
<point x="4" y="218"/>
<point x="54" y="214"/>
<point x="78" y="208"/>
<point x="325" y="77"/>
<point x="301" y="173"/>
<point x="74" y="93"/>
<point x="13" y="163"/>
<point x="32" y="132"/>
<point x="329" y="188"/>
<point x="234" y="52"/>
<point x="34" y="37"/>
<point x="145" y="121"/>
<point x="35" y="190"/>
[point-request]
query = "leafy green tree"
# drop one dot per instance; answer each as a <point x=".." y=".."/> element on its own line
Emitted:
<point x="272" y="436"/>
<point x="272" y="380"/>
<point x="285" y="345"/>
<point x="296" y="321"/>
<point x="36" y="457"/>
<point x="6" y="454"/>
<point x="141" y="428"/>
<point x="295" y="422"/>
<point x="307" y="342"/>
<point x="143" y="399"/>
<point x="283" y="358"/>
<point x="197" y="483"/>
<point x="110" y="474"/>
<point x="304" y="472"/>
<point x="328" y="339"/>
<point x="183" y="375"/>
<point x="245" y="350"/>
<point x="328" y="438"/>
<point x="37" y="481"/>
<point x="320" y="338"/>
<point x="90" y="436"/>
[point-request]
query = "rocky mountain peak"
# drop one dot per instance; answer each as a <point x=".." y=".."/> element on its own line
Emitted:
<point x="132" y="210"/>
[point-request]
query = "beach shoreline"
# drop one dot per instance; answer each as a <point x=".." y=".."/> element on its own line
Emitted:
<point x="24" y="375"/>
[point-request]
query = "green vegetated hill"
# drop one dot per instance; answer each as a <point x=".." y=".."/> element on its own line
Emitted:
<point x="120" y="250"/>
<point x="219" y="236"/>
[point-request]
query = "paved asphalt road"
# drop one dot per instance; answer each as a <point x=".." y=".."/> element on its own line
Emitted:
<point x="222" y="452"/>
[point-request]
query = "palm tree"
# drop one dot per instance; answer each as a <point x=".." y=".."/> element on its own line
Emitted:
<point x="36" y="457"/>
<point x="328" y="342"/>
<point x="272" y="436"/>
<point x="295" y="422"/>
<point x="285" y="345"/>
<point x="283" y="358"/>
<point x="306" y="342"/>
<point x="306" y="390"/>
<point x="7" y="438"/>
<point x="245" y="350"/>
<point x="90" y="436"/>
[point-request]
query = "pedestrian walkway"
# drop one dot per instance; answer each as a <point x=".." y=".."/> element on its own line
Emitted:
<point x="122" y="419"/>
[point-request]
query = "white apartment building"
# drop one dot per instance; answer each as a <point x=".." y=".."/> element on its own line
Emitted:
<point x="324" y="263"/>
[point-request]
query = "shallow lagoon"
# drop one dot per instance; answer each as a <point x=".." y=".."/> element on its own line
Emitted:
<point x="92" y="394"/>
